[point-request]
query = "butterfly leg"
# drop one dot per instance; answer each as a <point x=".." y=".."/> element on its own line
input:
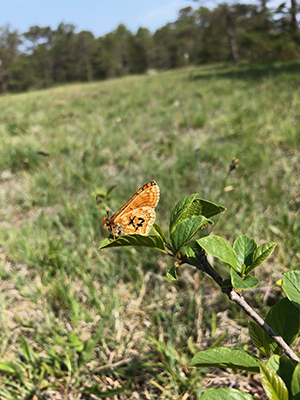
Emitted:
<point x="117" y="230"/>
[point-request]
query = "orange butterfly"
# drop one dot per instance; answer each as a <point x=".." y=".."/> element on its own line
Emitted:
<point x="137" y="215"/>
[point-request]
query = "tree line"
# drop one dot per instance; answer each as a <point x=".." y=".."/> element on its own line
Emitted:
<point x="42" y="57"/>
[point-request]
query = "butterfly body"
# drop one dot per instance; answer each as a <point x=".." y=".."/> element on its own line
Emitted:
<point x="137" y="215"/>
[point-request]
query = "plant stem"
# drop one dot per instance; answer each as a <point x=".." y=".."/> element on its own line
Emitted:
<point x="239" y="299"/>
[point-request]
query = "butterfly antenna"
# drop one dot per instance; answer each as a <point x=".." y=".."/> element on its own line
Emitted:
<point x="100" y="204"/>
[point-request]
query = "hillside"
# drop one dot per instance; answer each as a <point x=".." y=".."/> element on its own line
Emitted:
<point x="180" y="128"/>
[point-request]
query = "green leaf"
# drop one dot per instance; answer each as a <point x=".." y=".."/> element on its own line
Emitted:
<point x="28" y="353"/>
<point x="171" y="274"/>
<point x="226" y="283"/>
<point x="58" y="339"/>
<point x="7" y="367"/>
<point x="284" y="367"/>
<point x="259" y="338"/>
<point x="273" y="385"/>
<point x="284" y="319"/>
<point x="261" y="254"/>
<point x="291" y="286"/>
<point x="218" y="247"/>
<point x="11" y="395"/>
<point x="186" y="229"/>
<point x="76" y="341"/>
<point x="225" y="394"/>
<point x="190" y="252"/>
<point x="181" y="211"/>
<point x="100" y="193"/>
<point x="224" y="357"/>
<point x="190" y="206"/>
<point x="249" y="282"/>
<point x="244" y="247"/>
<point x="110" y="189"/>
<point x="90" y="346"/>
<point x="207" y="208"/>
<point x="158" y="231"/>
<point x="295" y="383"/>
<point x="153" y="241"/>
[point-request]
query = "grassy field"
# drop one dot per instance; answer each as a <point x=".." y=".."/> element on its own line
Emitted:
<point x="77" y="320"/>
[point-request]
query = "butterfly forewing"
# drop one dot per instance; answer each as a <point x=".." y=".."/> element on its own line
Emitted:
<point x="147" y="195"/>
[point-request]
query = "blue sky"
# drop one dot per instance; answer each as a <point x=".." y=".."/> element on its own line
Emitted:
<point x="97" y="16"/>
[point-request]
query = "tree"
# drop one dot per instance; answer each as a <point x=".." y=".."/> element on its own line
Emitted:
<point x="111" y="54"/>
<point x="22" y="74"/>
<point x="212" y="45"/>
<point x="187" y="34"/>
<point x="166" y="48"/>
<point x="121" y="38"/>
<point x="40" y="54"/>
<point x="102" y="59"/>
<point x="38" y="35"/>
<point x="84" y="48"/>
<point x="293" y="11"/>
<point x="288" y="20"/>
<point x="63" y="53"/>
<point x="141" y="50"/>
<point x="9" y="51"/>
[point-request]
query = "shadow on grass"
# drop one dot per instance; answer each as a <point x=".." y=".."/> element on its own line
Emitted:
<point x="251" y="71"/>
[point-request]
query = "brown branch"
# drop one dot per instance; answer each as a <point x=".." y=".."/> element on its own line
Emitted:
<point x="207" y="268"/>
<point x="239" y="299"/>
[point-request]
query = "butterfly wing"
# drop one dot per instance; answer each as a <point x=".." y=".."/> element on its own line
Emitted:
<point x="146" y="196"/>
<point x="137" y="215"/>
<point x="139" y="220"/>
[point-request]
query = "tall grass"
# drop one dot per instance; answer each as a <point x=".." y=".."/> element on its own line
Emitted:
<point x="181" y="128"/>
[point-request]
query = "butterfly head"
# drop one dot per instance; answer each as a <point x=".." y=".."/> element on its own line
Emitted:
<point x="106" y="222"/>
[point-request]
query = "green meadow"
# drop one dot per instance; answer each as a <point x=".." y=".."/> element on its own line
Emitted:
<point x="77" y="320"/>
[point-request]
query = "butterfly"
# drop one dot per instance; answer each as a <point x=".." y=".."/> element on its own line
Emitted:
<point x="137" y="215"/>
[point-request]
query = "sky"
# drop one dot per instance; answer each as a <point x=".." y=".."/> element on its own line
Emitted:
<point x="97" y="16"/>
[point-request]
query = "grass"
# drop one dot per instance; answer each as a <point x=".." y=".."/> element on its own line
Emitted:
<point x="74" y="319"/>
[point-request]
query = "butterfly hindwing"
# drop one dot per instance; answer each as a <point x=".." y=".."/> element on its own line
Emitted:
<point x="139" y="220"/>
